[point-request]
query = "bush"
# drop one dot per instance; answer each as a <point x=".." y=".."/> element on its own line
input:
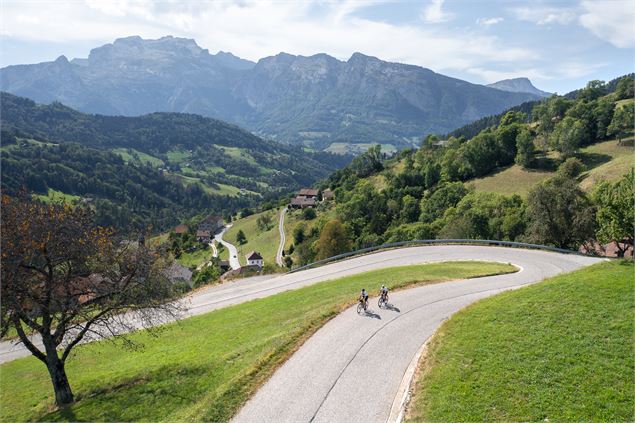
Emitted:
<point x="571" y="167"/>
<point x="309" y="213"/>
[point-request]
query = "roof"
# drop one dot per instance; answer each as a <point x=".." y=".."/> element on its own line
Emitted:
<point x="181" y="229"/>
<point x="254" y="255"/>
<point x="327" y="193"/>
<point x="302" y="201"/>
<point x="201" y="233"/>
<point x="212" y="219"/>
<point x="223" y="263"/>
<point x="308" y="192"/>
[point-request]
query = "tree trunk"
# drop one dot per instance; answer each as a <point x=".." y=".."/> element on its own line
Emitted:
<point x="55" y="366"/>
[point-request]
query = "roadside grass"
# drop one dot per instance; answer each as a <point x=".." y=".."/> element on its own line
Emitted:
<point x="195" y="258"/>
<point x="205" y="367"/>
<point x="264" y="241"/>
<point x="605" y="161"/>
<point x="561" y="350"/>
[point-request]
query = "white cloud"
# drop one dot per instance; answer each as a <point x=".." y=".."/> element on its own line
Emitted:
<point x="489" y="21"/>
<point x="612" y="21"/>
<point x="545" y="15"/>
<point x="433" y="13"/>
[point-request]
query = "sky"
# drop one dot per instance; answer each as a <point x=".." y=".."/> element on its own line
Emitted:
<point x="559" y="45"/>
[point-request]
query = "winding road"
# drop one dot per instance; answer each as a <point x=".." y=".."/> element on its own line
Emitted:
<point x="355" y="359"/>
<point x="358" y="368"/>
<point x="233" y="252"/>
<point x="283" y="239"/>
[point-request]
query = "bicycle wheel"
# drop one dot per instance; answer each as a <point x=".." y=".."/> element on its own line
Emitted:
<point x="360" y="308"/>
<point x="380" y="302"/>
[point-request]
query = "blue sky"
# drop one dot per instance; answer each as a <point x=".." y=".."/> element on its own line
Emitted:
<point x="559" y="45"/>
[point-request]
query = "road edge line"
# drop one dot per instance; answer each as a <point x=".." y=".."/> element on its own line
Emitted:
<point x="398" y="408"/>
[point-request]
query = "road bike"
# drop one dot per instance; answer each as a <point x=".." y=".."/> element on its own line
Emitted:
<point x="362" y="306"/>
<point x="383" y="301"/>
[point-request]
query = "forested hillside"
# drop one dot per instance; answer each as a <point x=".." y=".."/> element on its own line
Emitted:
<point x="138" y="169"/>
<point x="422" y="194"/>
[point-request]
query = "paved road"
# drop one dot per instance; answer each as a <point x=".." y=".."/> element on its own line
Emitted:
<point x="352" y="369"/>
<point x="282" y="238"/>
<point x="242" y="290"/>
<point x="214" y="249"/>
<point x="233" y="252"/>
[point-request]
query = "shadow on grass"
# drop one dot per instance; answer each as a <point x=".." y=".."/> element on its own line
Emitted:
<point x="543" y="163"/>
<point x="147" y="396"/>
<point x="592" y="160"/>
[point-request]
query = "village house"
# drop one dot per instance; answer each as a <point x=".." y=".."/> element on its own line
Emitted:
<point x="203" y="236"/>
<point x="327" y="195"/>
<point x="308" y="193"/>
<point x="302" y="202"/>
<point x="254" y="259"/>
<point x="181" y="229"/>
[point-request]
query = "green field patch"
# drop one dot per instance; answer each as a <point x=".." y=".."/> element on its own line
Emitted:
<point x="178" y="156"/>
<point x="354" y="148"/>
<point x="195" y="258"/>
<point x="264" y="241"/>
<point x="560" y="350"/>
<point x="205" y="367"/>
<point x="54" y="196"/>
<point x="605" y="161"/>
<point x="135" y="156"/>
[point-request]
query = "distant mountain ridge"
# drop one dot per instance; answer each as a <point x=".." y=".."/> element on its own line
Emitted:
<point x="312" y="100"/>
<point x="519" y="85"/>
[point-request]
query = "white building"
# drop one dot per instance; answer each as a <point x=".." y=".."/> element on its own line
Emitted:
<point x="254" y="259"/>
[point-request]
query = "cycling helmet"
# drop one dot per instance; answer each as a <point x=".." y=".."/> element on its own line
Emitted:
<point x="383" y="286"/>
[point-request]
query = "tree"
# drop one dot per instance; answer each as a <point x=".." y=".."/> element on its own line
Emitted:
<point x="298" y="234"/>
<point x="571" y="168"/>
<point x="264" y="222"/>
<point x="332" y="241"/>
<point x="622" y="122"/>
<point x="308" y="213"/>
<point x="568" y="136"/>
<point x="615" y="214"/>
<point x="240" y="237"/>
<point x="63" y="278"/>
<point x="559" y="214"/>
<point x="525" y="148"/>
<point x="288" y="262"/>
<point x="624" y="88"/>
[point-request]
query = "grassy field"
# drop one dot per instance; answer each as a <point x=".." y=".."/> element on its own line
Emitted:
<point x="142" y="157"/>
<point x="265" y="242"/>
<point x="354" y="148"/>
<point x="605" y="161"/>
<point x="561" y="350"/>
<point x="54" y="196"/>
<point x="206" y="367"/>
<point x="196" y="258"/>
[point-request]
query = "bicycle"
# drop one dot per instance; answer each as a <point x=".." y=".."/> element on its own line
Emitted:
<point x="362" y="306"/>
<point x="383" y="301"/>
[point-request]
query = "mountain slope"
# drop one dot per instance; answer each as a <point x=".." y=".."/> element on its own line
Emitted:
<point x="196" y="153"/>
<point x="315" y="100"/>
<point x="518" y="85"/>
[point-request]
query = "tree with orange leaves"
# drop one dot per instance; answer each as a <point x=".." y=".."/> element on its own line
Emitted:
<point x="66" y="280"/>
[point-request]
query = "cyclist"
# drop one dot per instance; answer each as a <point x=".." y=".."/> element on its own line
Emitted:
<point x="363" y="297"/>
<point x="384" y="292"/>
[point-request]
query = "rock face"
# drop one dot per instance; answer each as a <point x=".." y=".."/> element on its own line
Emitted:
<point x="519" y="85"/>
<point x="316" y="100"/>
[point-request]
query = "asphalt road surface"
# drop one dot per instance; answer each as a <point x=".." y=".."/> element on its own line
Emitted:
<point x="233" y="252"/>
<point x="282" y="238"/>
<point x="352" y="370"/>
<point x="536" y="264"/>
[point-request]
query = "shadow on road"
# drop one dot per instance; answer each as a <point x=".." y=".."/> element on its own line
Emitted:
<point x="370" y="313"/>
<point x="391" y="307"/>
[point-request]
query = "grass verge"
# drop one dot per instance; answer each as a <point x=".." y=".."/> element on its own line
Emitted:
<point x="203" y="368"/>
<point x="264" y="241"/>
<point x="561" y="350"/>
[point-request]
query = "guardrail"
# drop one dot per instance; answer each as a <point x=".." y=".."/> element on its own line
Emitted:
<point x="487" y="242"/>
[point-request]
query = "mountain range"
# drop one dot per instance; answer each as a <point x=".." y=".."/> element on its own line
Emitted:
<point x="314" y="100"/>
<point x="519" y="85"/>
